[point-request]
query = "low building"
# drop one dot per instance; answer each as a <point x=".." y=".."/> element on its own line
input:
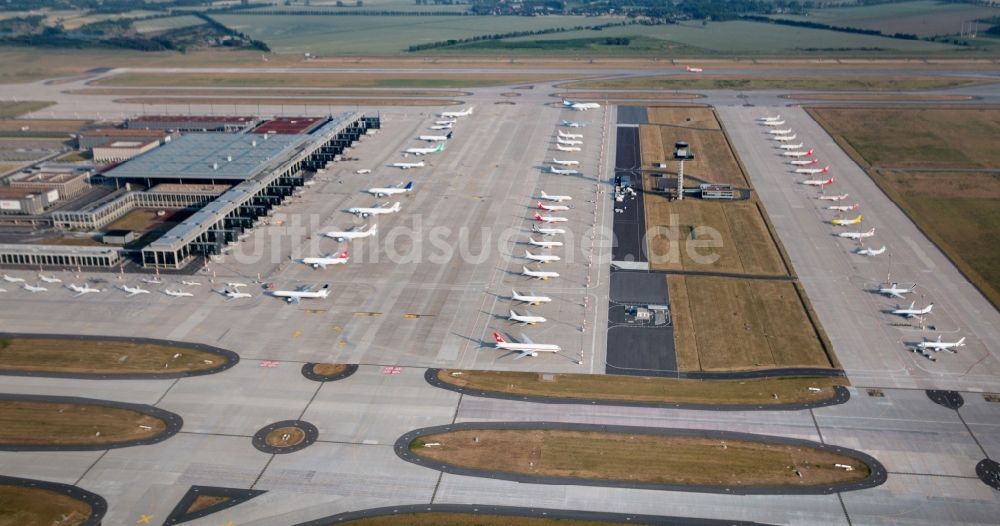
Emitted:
<point x="119" y="237"/>
<point x="192" y="123"/>
<point x="88" y="139"/>
<point x="24" y="201"/>
<point x="718" y="191"/>
<point x="69" y="182"/>
<point x="119" y="151"/>
<point x="60" y="256"/>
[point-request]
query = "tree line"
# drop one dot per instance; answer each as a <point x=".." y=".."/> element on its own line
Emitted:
<point x="512" y="34"/>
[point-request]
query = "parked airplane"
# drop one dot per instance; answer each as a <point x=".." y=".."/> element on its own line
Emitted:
<point x="871" y="251"/>
<point x="939" y="345"/>
<point x="895" y="290"/>
<point x="544" y="244"/>
<point x="541" y="258"/>
<point x="538" y="274"/>
<point x="392" y="190"/>
<point x="797" y="154"/>
<point x="785" y="138"/>
<point x="547" y="231"/>
<point x="48" y="279"/>
<point x="407" y="166"/>
<point x="550" y="219"/>
<point x="371" y="211"/>
<point x="34" y="288"/>
<point x="840" y="197"/>
<point x="773" y="123"/>
<point x="353" y="233"/>
<point x="12" y="279"/>
<point x="769" y="119"/>
<point x="529" y="298"/>
<point x="817" y="182"/>
<point x="134" y="291"/>
<point x="329" y="259"/>
<point x="912" y="311"/>
<point x="425" y="151"/>
<point x="303" y="292"/>
<point x="525" y="319"/>
<point x="435" y="138"/>
<point x="191" y="283"/>
<point x="565" y="163"/>
<point x="556" y="198"/>
<point x="811" y="171"/>
<point x="552" y="208"/>
<point x="581" y="106"/>
<point x="528" y="348"/>
<point x="453" y="114"/>
<point x="236" y="285"/>
<point x="857" y="235"/>
<point x="573" y="124"/>
<point x="789" y="147"/>
<point x="80" y="291"/>
<point x="562" y="148"/>
<point x="3" y="290"/>
<point x="445" y="122"/>
<point x="689" y="69"/>
<point x="568" y="142"/>
<point x="804" y="162"/>
<point x="568" y="171"/>
<point x="786" y="131"/>
<point x="151" y="281"/>
<point x="844" y="208"/>
<point x="442" y="126"/>
<point x="846" y="222"/>
<point x="235" y="294"/>
<point x="178" y="293"/>
<point x="570" y="135"/>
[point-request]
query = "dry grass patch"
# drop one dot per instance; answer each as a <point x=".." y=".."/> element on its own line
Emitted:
<point x="877" y="97"/>
<point x="42" y="125"/>
<point x="746" y="325"/>
<point x="701" y="118"/>
<point x="266" y="93"/>
<point x="329" y="369"/>
<point x="471" y="519"/>
<point x="250" y="101"/>
<point x="657" y="459"/>
<point x="70" y="424"/>
<point x="650" y="146"/>
<point x="818" y="83"/>
<point x="202" y="502"/>
<point x="22" y="506"/>
<point x="626" y="95"/>
<point x="325" y="80"/>
<point x="285" y="437"/>
<point x="765" y="391"/>
<point x="11" y="109"/>
<point x="110" y="357"/>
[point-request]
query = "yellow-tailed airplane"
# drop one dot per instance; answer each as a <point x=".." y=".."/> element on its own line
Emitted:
<point x="846" y="222"/>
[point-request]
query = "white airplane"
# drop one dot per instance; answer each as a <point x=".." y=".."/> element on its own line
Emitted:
<point x="544" y="244"/>
<point x="372" y="211"/>
<point x="353" y="233"/>
<point x="453" y="114"/>
<point x="178" y="293"/>
<point x="894" y="290"/>
<point x="556" y="198"/>
<point x="236" y="285"/>
<point x="796" y="154"/>
<point x="812" y="171"/>
<point x="573" y="124"/>
<point x="773" y="123"/>
<point x="565" y="163"/>
<point x="549" y="219"/>
<point x="407" y="166"/>
<point x="817" y="182"/>
<point x="392" y="190"/>
<point x="329" y="259"/>
<point x="840" y="197"/>
<point x="857" y="235"/>
<point x="151" y="281"/>
<point x="580" y="106"/>
<point x="134" y="291"/>
<point x="786" y="131"/>
<point x="435" y="138"/>
<point x="235" y="294"/>
<point x="538" y="274"/>
<point x="551" y="208"/>
<point x="541" y="258"/>
<point x="568" y="142"/>
<point x="790" y="147"/>
<point x="442" y="126"/>
<point x="446" y="122"/>
<point x="562" y="148"/>
<point x="871" y="251"/>
<point x="191" y="283"/>
<point x="567" y="171"/>
<point x="363" y="171"/>
<point x="786" y="138"/>
<point x="34" y="288"/>
<point x="911" y="311"/>
<point x="525" y="319"/>
<point x="530" y="298"/>
<point x="769" y="119"/>
<point x="425" y="151"/>
<point x="547" y="231"/>
<point x="804" y="162"/>
<point x="570" y="135"/>
<point x="80" y="291"/>
<point x="48" y="279"/>
<point x="303" y="292"/>
<point x="689" y="69"/>
<point x="844" y="208"/>
<point x="937" y="345"/>
<point x="846" y="222"/>
<point x="528" y="348"/>
<point x="12" y="279"/>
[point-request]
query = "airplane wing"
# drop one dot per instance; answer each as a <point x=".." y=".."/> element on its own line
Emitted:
<point x="294" y="299"/>
<point x="525" y="339"/>
<point x="305" y="288"/>
<point x="522" y="354"/>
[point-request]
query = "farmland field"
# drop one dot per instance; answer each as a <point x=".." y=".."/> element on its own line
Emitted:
<point x="934" y="164"/>
<point x="923" y="18"/>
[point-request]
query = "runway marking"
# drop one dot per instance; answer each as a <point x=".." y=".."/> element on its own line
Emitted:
<point x="391" y="370"/>
<point x="269" y="364"/>
<point x="297" y="333"/>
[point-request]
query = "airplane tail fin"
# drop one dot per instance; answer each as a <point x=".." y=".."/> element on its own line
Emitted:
<point x="961" y="342"/>
<point x="409" y="186"/>
<point x="531" y="239"/>
<point x="343" y="254"/>
<point x="396" y="206"/>
<point x="449" y="135"/>
<point x="498" y="338"/>
<point x="826" y="168"/>
<point x="810" y="152"/>
<point x="544" y="195"/>
<point x="538" y="217"/>
<point x="512" y="313"/>
<point x="524" y="269"/>
<point x="540" y="207"/>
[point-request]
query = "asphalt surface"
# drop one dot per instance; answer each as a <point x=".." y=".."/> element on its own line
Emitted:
<point x="629" y="219"/>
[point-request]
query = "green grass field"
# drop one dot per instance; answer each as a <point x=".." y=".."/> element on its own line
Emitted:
<point x="923" y="17"/>
<point x="831" y="83"/>
<point x="12" y="110"/>
<point x="163" y="24"/>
